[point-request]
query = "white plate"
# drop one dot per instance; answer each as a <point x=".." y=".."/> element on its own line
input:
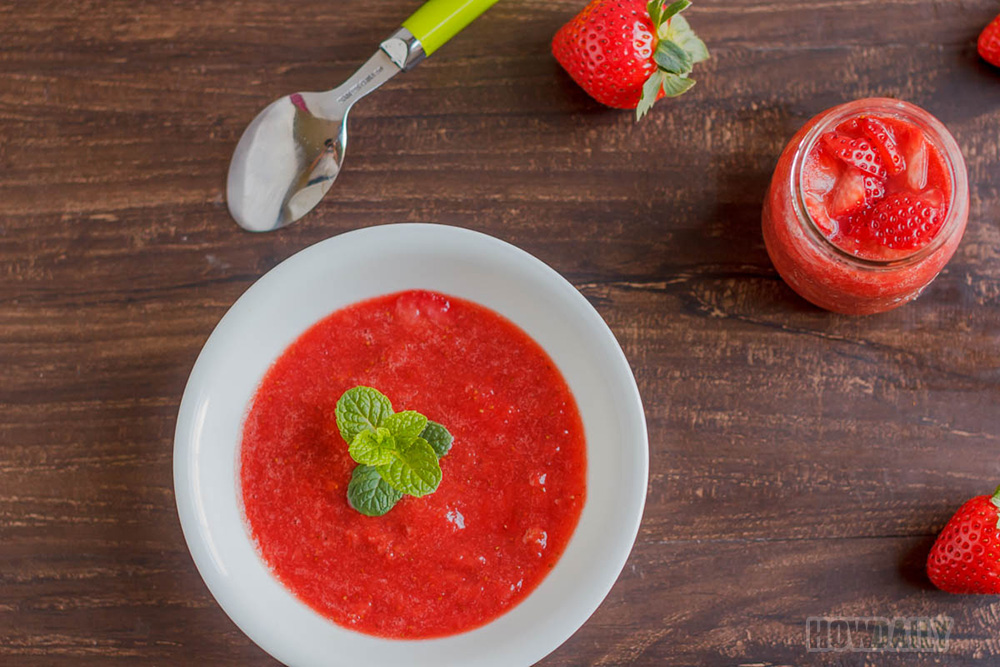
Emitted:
<point x="330" y="275"/>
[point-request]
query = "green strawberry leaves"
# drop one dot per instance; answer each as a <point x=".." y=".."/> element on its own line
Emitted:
<point x="680" y="33"/>
<point x="676" y="54"/>
<point x="650" y="91"/>
<point x="996" y="501"/>
<point x="670" y="57"/>
<point x="660" y="13"/>
<point x="674" y="85"/>
<point x="398" y="452"/>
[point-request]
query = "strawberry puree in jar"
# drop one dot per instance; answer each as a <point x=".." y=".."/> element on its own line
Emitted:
<point x="867" y="204"/>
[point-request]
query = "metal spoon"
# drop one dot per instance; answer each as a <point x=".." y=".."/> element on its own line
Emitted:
<point x="289" y="156"/>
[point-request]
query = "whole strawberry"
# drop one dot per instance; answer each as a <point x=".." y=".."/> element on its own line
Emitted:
<point x="629" y="53"/>
<point x="989" y="43"/>
<point x="966" y="556"/>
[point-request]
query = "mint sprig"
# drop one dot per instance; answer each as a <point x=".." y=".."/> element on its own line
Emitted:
<point x="398" y="452"/>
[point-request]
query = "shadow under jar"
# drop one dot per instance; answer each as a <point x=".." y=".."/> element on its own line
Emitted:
<point x="866" y="206"/>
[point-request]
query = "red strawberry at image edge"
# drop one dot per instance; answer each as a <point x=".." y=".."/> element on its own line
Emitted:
<point x="989" y="43"/>
<point x="628" y="54"/>
<point x="966" y="556"/>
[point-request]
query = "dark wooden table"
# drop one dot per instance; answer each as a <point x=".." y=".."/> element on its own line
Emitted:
<point x="801" y="462"/>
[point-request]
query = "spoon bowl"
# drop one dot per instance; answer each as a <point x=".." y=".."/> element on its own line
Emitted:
<point x="285" y="162"/>
<point x="291" y="153"/>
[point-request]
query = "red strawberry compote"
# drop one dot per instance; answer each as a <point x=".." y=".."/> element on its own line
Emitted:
<point x="514" y="482"/>
<point x="867" y="204"/>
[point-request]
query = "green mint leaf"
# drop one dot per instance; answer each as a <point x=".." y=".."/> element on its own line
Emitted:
<point x="650" y="91"/>
<point x="405" y="426"/>
<point x="361" y="409"/>
<point x="369" y="494"/>
<point x="414" y="469"/>
<point x="674" y="85"/>
<point x="438" y="438"/>
<point x="672" y="58"/>
<point x="996" y="501"/>
<point x="679" y="31"/>
<point x="373" y="448"/>
<point x="674" y="9"/>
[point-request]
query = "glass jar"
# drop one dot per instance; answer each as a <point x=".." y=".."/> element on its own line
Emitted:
<point x="826" y="274"/>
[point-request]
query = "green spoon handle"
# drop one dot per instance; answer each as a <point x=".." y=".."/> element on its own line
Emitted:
<point x="440" y="20"/>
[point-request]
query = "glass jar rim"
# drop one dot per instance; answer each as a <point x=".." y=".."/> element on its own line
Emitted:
<point x="937" y="133"/>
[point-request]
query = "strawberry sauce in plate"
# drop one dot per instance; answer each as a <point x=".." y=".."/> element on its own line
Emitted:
<point x="513" y="486"/>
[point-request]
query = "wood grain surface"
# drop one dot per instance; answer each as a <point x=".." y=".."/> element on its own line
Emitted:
<point x="801" y="462"/>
